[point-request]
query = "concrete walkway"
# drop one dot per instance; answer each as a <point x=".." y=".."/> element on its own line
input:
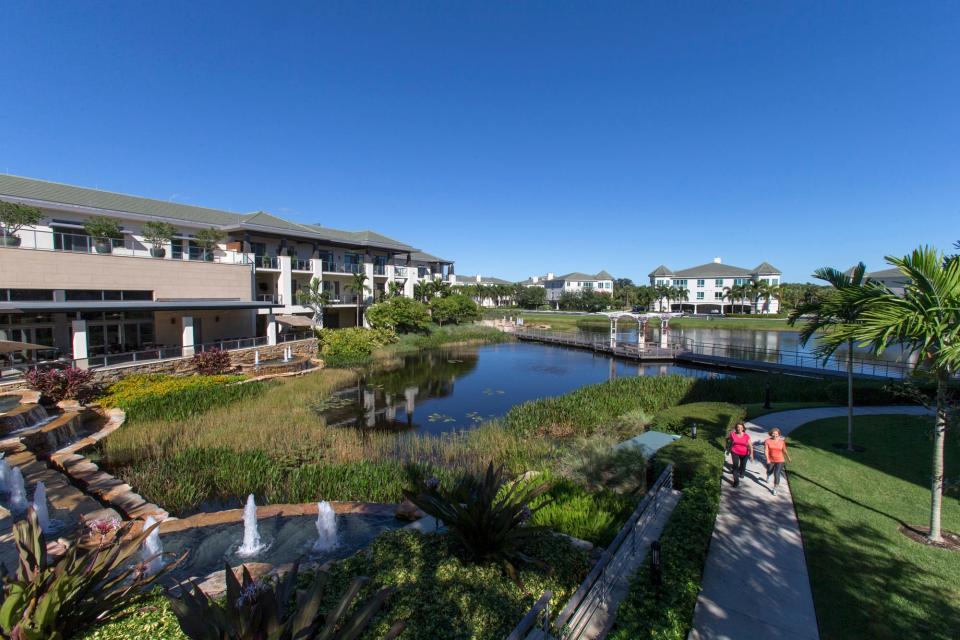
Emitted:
<point x="755" y="582"/>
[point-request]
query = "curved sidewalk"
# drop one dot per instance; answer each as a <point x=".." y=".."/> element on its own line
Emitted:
<point x="755" y="582"/>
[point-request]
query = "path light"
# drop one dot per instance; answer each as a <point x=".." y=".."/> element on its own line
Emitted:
<point x="656" y="575"/>
<point x="693" y="431"/>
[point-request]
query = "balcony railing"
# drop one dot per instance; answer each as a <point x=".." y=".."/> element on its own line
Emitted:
<point x="266" y="262"/>
<point x="270" y="297"/>
<point x="300" y="265"/>
<point x="127" y="247"/>
<point x="379" y="269"/>
<point x="339" y="267"/>
<point x="400" y="272"/>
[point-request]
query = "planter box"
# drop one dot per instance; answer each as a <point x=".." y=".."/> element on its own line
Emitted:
<point x="158" y="252"/>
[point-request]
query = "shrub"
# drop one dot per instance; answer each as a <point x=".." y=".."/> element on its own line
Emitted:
<point x="454" y="308"/>
<point x="256" y="609"/>
<point x="487" y="518"/>
<point x="160" y="396"/>
<point x="62" y="384"/>
<point x="403" y="315"/>
<point x="531" y="297"/>
<point x="212" y="363"/>
<point x="55" y="599"/>
<point x="343" y="347"/>
<point x="595" y="516"/>
<point x="103" y="227"/>
<point x="14" y="216"/>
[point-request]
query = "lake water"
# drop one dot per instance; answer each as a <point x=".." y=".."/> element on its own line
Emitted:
<point x="452" y="389"/>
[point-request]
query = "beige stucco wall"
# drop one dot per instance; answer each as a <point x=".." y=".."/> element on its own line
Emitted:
<point x="215" y="325"/>
<point x="29" y="269"/>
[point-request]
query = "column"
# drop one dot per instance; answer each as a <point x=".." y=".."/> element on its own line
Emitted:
<point x="80" y="344"/>
<point x="285" y="286"/>
<point x="367" y="289"/>
<point x="613" y="332"/>
<point x="642" y="334"/>
<point x="409" y="282"/>
<point x="664" y="332"/>
<point x="187" y="340"/>
<point x="271" y="329"/>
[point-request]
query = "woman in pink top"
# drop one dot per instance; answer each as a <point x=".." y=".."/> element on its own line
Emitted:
<point x="775" y="450"/>
<point x="740" y="448"/>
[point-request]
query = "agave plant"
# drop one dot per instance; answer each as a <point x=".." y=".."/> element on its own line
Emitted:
<point x="489" y="518"/>
<point x="261" y="610"/>
<point x="53" y="600"/>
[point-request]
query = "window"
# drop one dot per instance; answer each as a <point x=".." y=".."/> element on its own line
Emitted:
<point x="718" y="282"/>
<point x="422" y="272"/>
<point x="718" y="295"/>
<point x="24" y="295"/>
<point x="700" y="283"/>
<point x="699" y="295"/>
<point x="258" y="248"/>
<point x="680" y="283"/>
<point x="775" y="281"/>
<point x="176" y="248"/>
<point x="740" y="281"/>
<point x="588" y="285"/>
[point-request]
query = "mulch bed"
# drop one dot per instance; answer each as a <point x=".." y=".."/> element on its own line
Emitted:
<point x="951" y="540"/>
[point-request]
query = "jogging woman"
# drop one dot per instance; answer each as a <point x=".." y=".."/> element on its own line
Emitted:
<point x="775" y="449"/>
<point x="740" y="449"/>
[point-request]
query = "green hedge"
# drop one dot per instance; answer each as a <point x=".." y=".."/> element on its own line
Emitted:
<point x="352" y="346"/>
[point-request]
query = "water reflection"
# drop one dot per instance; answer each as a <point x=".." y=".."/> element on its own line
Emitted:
<point x="446" y="390"/>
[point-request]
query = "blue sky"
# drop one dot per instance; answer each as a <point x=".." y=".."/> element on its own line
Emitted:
<point x="515" y="138"/>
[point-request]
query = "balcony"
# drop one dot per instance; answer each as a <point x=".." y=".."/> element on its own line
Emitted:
<point x="267" y="262"/>
<point x="379" y="269"/>
<point x="301" y="265"/>
<point x="125" y="247"/>
<point x="400" y="272"/>
<point x="270" y="297"/>
<point x="339" y="267"/>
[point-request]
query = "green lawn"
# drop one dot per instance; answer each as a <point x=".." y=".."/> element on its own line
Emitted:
<point x="868" y="580"/>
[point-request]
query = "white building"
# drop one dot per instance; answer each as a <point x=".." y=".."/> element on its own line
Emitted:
<point x="487" y="281"/>
<point x="575" y="282"/>
<point x="708" y="287"/>
<point x="892" y="279"/>
<point x="105" y="297"/>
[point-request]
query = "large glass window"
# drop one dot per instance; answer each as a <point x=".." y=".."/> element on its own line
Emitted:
<point x="699" y="295"/>
<point x="701" y="283"/>
<point x="718" y="282"/>
<point x="26" y="295"/>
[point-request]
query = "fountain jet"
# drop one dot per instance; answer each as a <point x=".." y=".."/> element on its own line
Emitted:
<point x="326" y="527"/>
<point x="152" y="552"/>
<point x="251" y="545"/>
<point x="40" y="506"/>
<point x="4" y="476"/>
<point x="18" y="494"/>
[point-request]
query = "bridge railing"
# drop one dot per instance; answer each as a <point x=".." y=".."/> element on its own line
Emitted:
<point x="882" y="368"/>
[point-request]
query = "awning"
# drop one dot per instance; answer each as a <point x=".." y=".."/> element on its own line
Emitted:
<point x="12" y="346"/>
<point x="132" y="305"/>
<point x="295" y="320"/>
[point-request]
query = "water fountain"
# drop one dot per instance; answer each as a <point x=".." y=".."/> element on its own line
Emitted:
<point x="4" y="476"/>
<point x="40" y="507"/>
<point x="152" y="552"/>
<point x="326" y="528"/>
<point x="256" y="359"/>
<point x="251" y="545"/>
<point x="18" y="493"/>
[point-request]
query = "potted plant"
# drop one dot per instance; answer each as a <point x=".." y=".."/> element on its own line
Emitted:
<point x="158" y="234"/>
<point x="208" y="239"/>
<point x="13" y="217"/>
<point x="104" y="231"/>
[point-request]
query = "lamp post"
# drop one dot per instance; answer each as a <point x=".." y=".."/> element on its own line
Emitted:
<point x="693" y="431"/>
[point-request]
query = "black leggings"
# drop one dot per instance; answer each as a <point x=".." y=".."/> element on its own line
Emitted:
<point x="775" y="469"/>
<point x="739" y="466"/>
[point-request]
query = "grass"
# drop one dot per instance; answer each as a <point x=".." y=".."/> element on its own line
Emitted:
<point x="438" y="594"/>
<point x="569" y="322"/>
<point x="449" y="335"/>
<point x="850" y="508"/>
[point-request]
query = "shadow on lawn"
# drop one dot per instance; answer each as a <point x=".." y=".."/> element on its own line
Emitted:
<point x="863" y="589"/>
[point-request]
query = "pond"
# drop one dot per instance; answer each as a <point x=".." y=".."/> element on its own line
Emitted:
<point x="453" y="389"/>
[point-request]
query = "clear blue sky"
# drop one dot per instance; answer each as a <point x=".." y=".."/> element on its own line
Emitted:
<point x="515" y="137"/>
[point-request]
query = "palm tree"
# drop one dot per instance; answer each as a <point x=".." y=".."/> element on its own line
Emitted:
<point x="682" y="295"/>
<point x="394" y="289"/>
<point x="421" y="291"/>
<point x="441" y="287"/>
<point x="732" y="293"/>
<point x="315" y="298"/>
<point x="829" y="316"/>
<point x="925" y="320"/>
<point x="357" y="285"/>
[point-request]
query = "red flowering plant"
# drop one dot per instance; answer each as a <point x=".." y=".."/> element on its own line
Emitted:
<point x="62" y="384"/>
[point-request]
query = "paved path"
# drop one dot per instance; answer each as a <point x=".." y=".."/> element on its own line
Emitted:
<point x="755" y="582"/>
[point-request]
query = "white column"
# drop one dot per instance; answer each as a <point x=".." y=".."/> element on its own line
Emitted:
<point x="80" y="343"/>
<point x="271" y="329"/>
<point x="613" y="333"/>
<point x="641" y="334"/>
<point x="187" y="340"/>
<point x="367" y="290"/>
<point x="285" y="286"/>
<point x="409" y="282"/>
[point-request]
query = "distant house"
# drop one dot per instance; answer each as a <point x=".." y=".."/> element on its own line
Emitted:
<point x="489" y="300"/>
<point x="575" y="282"/>
<point x="708" y="285"/>
<point x="892" y="279"/>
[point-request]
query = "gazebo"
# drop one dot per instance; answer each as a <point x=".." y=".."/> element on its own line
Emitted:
<point x="642" y="319"/>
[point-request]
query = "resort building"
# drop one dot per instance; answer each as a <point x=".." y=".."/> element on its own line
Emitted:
<point x="892" y="279"/>
<point x="712" y="287"/>
<point x="219" y="275"/>
<point x="575" y="282"/>
<point x="493" y="298"/>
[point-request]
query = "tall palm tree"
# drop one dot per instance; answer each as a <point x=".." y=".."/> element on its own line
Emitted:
<point x="925" y="320"/>
<point x="732" y="293"/>
<point x="421" y="291"/>
<point x="828" y="316"/>
<point x="357" y="285"/>
<point x="681" y="294"/>
<point x="394" y="289"/>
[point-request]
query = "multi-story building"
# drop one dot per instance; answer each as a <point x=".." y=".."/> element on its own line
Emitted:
<point x="86" y="296"/>
<point x="485" y="300"/>
<point x="708" y="288"/>
<point x="575" y="282"/>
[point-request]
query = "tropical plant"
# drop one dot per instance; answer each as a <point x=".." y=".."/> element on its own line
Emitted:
<point x="14" y="216"/>
<point x="487" y="517"/>
<point x="455" y="308"/>
<point x="830" y="314"/>
<point x="316" y="299"/>
<point x="51" y="599"/>
<point x="61" y="384"/>
<point x="262" y="609"/>
<point x="358" y="284"/>
<point x="103" y="227"/>
<point x="394" y="289"/>
<point x="158" y="233"/>
<point x="212" y="363"/>
<point x="531" y="297"/>
<point x="208" y="239"/>
<point x="403" y="315"/>
<point x="925" y="320"/>
<point x="441" y="288"/>
<point x="353" y="345"/>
